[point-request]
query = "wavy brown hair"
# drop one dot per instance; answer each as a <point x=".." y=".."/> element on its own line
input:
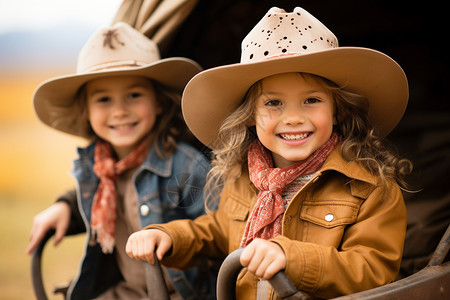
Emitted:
<point x="169" y="127"/>
<point x="360" y="141"/>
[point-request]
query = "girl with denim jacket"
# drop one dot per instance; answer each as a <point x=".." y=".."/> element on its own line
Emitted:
<point x="310" y="186"/>
<point x="136" y="171"/>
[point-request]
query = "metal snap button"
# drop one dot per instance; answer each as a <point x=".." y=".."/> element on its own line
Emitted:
<point x="329" y="217"/>
<point x="144" y="209"/>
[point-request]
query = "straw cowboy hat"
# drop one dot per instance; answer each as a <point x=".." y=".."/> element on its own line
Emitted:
<point x="111" y="51"/>
<point x="295" y="42"/>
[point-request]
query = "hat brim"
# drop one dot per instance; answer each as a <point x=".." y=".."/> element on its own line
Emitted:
<point x="59" y="92"/>
<point x="213" y="94"/>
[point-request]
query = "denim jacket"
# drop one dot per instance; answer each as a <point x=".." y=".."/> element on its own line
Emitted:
<point x="167" y="189"/>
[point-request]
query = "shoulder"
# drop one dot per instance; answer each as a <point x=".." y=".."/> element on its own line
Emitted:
<point x="335" y="163"/>
<point x="87" y="150"/>
<point x="187" y="154"/>
<point x="348" y="176"/>
<point x="85" y="156"/>
<point x="241" y="188"/>
<point x="187" y="150"/>
<point x="355" y="178"/>
<point x="82" y="166"/>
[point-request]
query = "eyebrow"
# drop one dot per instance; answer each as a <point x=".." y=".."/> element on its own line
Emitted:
<point x="103" y="90"/>
<point x="312" y="91"/>
<point x="98" y="91"/>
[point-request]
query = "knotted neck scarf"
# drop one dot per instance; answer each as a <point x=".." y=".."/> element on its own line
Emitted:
<point x="266" y="217"/>
<point x="103" y="215"/>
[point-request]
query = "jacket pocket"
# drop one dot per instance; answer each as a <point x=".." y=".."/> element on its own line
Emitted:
<point x="328" y="213"/>
<point x="324" y="222"/>
<point x="237" y="213"/>
<point x="235" y="209"/>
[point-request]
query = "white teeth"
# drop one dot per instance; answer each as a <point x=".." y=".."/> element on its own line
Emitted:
<point x="122" y="126"/>
<point x="293" y="137"/>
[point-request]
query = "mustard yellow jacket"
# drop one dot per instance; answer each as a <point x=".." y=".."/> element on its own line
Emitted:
<point x="342" y="232"/>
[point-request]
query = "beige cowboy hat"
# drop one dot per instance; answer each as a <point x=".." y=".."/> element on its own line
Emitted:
<point x="111" y="51"/>
<point x="295" y="42"/>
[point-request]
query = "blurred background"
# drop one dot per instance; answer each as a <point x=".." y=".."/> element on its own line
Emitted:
<point x="40" y="39"/>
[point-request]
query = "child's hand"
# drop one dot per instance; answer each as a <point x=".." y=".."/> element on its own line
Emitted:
<point x="57" y="217"/>
<point x="263" y="258"/>
<point x="142" y="244"/>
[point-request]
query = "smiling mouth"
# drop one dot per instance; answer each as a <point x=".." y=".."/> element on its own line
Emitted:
<point x="293" y="137"/>
<point x="123" y="126"/>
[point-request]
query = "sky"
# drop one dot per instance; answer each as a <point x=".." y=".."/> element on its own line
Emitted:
<point x="35" y="160"/>
<point x="37" y="34"/>
<point x="41" y="14"/>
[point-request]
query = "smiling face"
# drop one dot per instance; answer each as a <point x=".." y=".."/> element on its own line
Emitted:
<point x="122" y="110"/>
<point x="294" y="116"/>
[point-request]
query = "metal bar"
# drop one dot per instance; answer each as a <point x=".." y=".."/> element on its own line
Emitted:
<point x="156" y="285"/>
<point x="428" y="283"/>
<point x="441" y="250"/>
<point x="229" y="271"/>
<point x="36" y="268"/>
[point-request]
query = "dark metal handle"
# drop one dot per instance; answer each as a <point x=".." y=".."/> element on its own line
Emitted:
<point x="441" y="250"/>
<point x="36" y="270"/>
<point x="228" y="273"/>
<point x="156" y="284"/>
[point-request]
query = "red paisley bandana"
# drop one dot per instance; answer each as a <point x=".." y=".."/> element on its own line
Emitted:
<point x="265" y="219"/>
<point x="103" y="216"/>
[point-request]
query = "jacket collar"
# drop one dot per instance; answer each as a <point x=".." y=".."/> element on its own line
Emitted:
<point x="153" y="163"/>
<point x="335" y="162"/>
<point x="351" y="169"/>
<point x="362" y="182"/>
<point x="160" y="166"/>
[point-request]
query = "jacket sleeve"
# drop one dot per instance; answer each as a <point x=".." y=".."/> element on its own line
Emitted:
<point x="207" y="236"/>
<point x="76" y="224"/>
<point x="193" y="180"/>
<point x="369" y="254"/>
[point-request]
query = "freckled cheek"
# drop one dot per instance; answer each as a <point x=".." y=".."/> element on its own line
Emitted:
<point x="265" y="120"/>
<point x="264" y="126"/>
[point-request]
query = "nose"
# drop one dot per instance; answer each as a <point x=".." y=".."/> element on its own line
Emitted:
<point x="293" y="115"/>
<point x="120" y="109"/>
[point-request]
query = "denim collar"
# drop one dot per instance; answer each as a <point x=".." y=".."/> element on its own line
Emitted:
<point x="153" y="163"/>
<point x="160" y="166"/>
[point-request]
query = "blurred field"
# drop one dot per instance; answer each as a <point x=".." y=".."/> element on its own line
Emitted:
<point x="35" y="164"/>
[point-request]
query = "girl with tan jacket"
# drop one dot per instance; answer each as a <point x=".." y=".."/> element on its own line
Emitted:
<point x="309" y="185"/>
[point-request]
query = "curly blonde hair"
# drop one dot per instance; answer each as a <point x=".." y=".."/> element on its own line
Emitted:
<point x="360" y="141"/>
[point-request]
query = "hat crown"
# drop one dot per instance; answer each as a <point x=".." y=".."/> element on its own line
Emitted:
<point x="280" y="33"/>
<point x="117" y="47"/>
